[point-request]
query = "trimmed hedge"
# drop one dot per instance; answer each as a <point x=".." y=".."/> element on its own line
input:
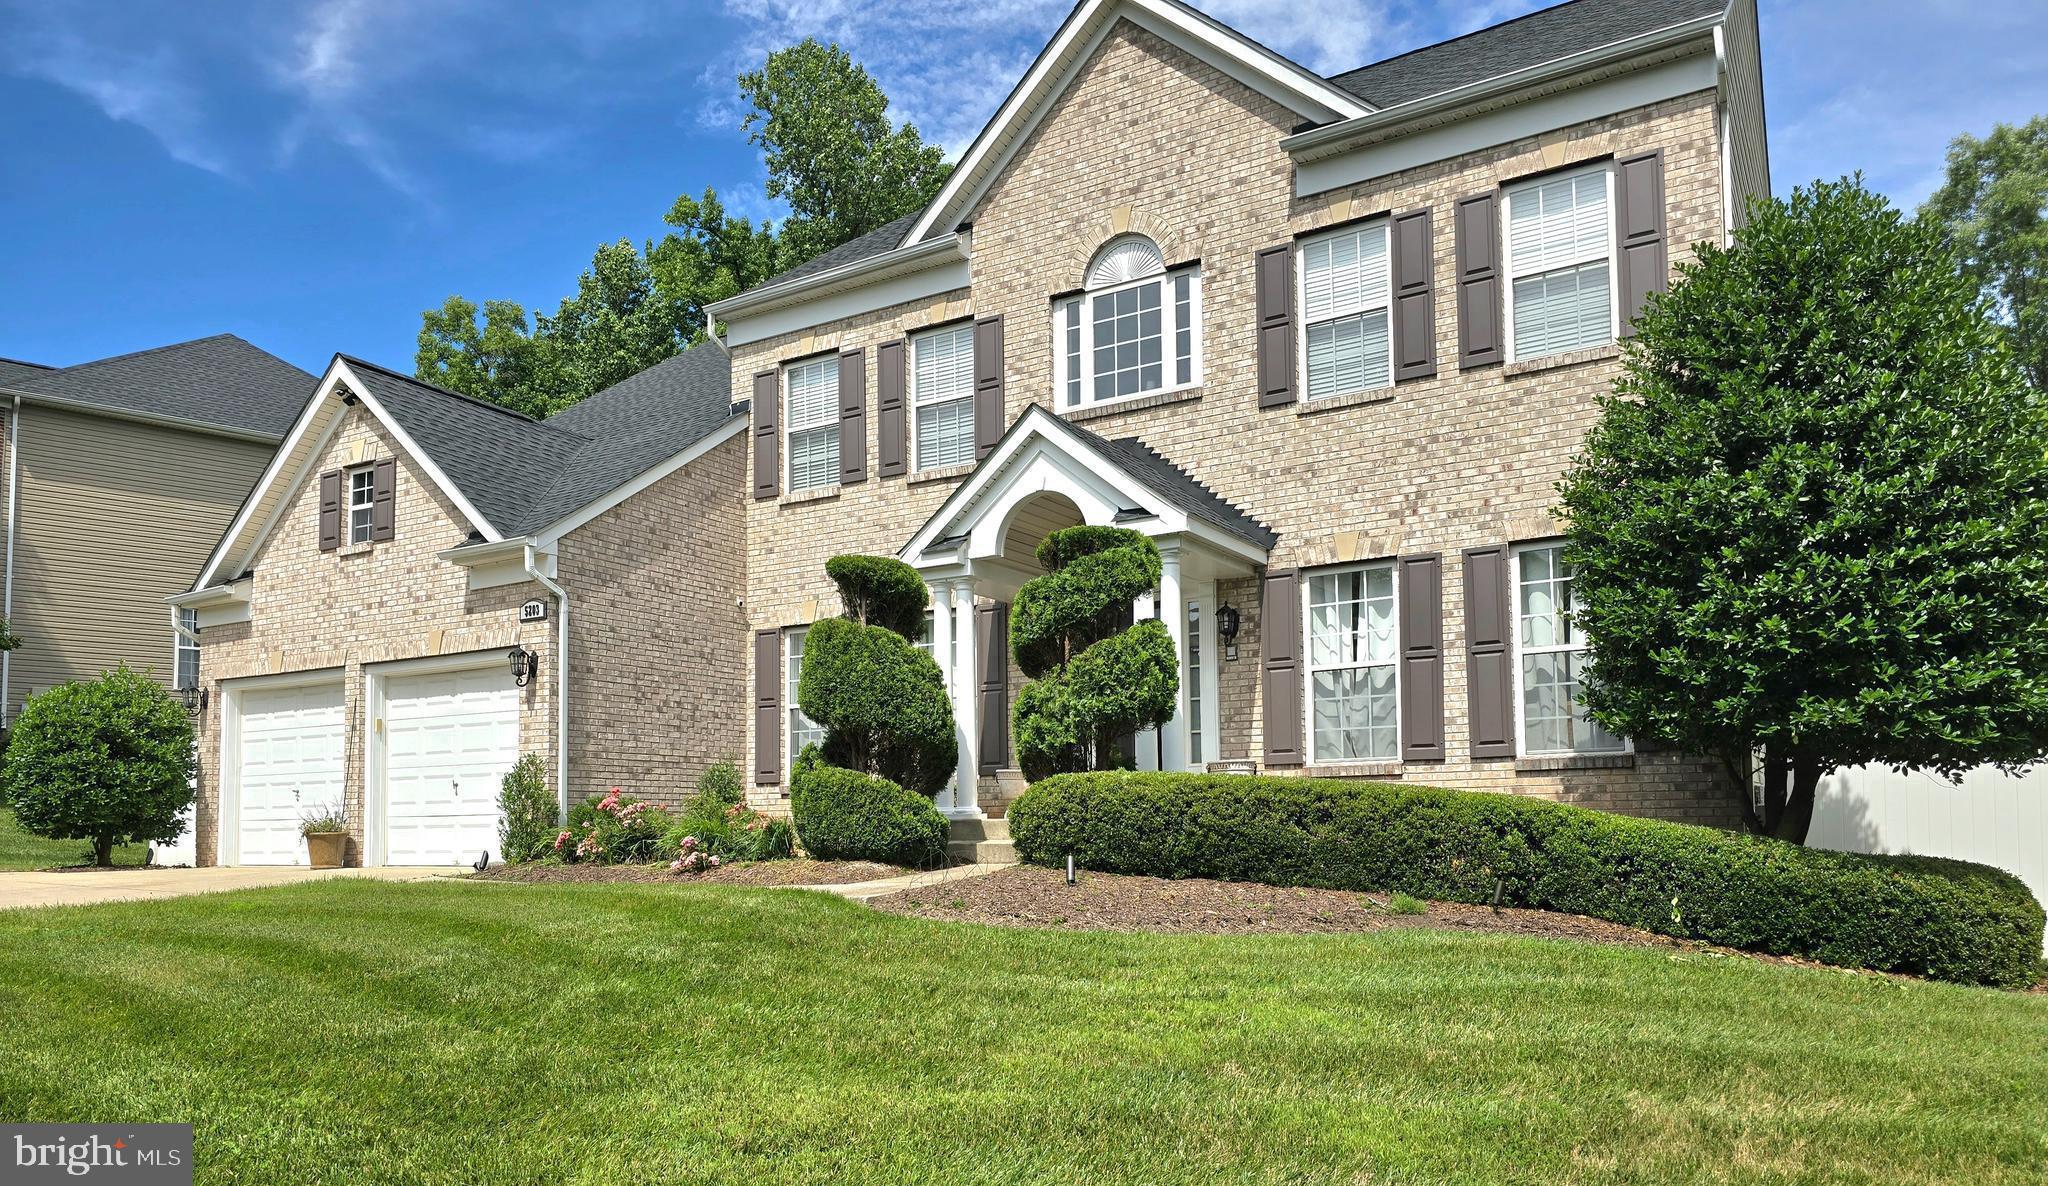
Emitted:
<point x="844" y="815"/>
<point x="1950" y="920"/>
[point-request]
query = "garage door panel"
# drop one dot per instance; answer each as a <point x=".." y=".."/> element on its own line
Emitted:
<point x="449" y="739"/>
<point x="290" y="763"/>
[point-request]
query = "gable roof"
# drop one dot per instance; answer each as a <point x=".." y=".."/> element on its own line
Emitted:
<point x="1542" y="36"/>
<point x="221" y="382"/>
<point x="1178" y="487"/>
<point x="880" y="241"/>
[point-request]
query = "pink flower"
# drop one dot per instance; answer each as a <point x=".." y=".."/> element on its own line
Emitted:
<point x="689" y="842"/>
<point x="714" y="862"/>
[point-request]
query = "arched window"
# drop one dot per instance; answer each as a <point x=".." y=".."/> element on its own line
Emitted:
<point x="1135" y="329"/>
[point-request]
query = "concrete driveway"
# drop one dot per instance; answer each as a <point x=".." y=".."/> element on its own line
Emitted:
<point x="123" y="885"/>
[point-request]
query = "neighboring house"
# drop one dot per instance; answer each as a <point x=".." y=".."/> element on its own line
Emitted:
<point x="1330" y="342"/>
<point x="408" y="549"/>
<point x="121" y="475"/>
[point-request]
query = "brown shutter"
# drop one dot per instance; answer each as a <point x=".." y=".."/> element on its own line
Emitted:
<point x="1489" y="676"/>
<point x="992" y="652"/>
<point x="1480" y="342"/>
<point x="1280" y="643"/>
<point x="892" y="436"/>
<point x="1275" y="299"/>
<point x="853" y="417"/>
<point x="1639" y="233"/>
<point x="767" y="454"/>
<point x="767" y="707"/>
<point x="330" y="510"/>
<point x="1414" y="297"/>
<point x="384" y="500"/>
<point x="1422" y="658"/>
<point x="988" y="385"/>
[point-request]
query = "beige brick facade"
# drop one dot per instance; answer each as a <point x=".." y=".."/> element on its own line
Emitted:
<point x="654" y="585"/>
<point x="1149" y="139"/>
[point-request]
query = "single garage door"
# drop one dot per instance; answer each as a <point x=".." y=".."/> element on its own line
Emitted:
<point x="449" y="739"/>
<point x="289" y="765"/>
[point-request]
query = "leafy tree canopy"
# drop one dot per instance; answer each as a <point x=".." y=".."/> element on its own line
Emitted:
<point x="1813" y="518"/>
<point x="832" y="155"/>
<point x="1995" y="206"/>
<point x="107" y="760"/>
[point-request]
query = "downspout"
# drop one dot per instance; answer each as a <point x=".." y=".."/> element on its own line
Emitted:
<point x="561" y="679"/>
<point x="13" y="514"/>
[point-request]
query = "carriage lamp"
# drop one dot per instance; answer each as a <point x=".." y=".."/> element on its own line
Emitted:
<point x="525" y="665"/>
<point x="195" y="699"/>
<point x="1226" y="629"/>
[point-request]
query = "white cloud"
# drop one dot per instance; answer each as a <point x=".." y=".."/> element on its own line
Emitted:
<point x="149" y="88"/>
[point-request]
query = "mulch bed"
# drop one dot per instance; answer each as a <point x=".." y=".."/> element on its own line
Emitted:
<point x="790" y="872"/>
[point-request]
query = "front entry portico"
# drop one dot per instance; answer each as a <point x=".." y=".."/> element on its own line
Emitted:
<point x="980" y="548"/>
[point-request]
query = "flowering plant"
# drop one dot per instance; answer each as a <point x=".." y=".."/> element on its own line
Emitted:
<point x="612" y="830"/>
<point x="692" y="857"/>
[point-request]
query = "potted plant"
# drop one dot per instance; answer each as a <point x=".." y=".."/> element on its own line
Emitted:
<point x="326" y="833"/>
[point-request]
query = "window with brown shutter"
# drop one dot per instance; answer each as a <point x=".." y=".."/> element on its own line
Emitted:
<point x="992" y="650"/>
<point x="1639" y="233"/>
<point x="767" y="707"/>
<point x="1280" y="646"/>
<point x="1414" y="297"/>
<point x="1489" y="652"/>
<point x="892" y="436"/>
<point x="1274" y="292"/>
<point x="384" y="500"/>
<point x="1480" y="341"/>
<point x="1422" y="658"/>
<point x="988" y="385"/>
<point x="767" y="454"/>
<point x="330" y="510"/>
<point x="853" y="417"/>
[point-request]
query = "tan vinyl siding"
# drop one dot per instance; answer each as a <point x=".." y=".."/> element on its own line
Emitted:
<point x="115" y="516"/>
<point x="1749" y="160"/>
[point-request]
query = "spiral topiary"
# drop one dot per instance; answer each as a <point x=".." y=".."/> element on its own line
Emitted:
<point x="1095" y="675"/>
<point x="881" y="700"/>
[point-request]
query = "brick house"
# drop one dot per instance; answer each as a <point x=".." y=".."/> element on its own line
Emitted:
<point x="1330" y="342"/>
<point x="383" y="623"/>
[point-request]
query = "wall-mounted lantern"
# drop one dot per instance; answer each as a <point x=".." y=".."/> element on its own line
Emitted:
<point x="1226" y="629"/>
<point x="525" y="665"/>
<point x="195" y="699"/>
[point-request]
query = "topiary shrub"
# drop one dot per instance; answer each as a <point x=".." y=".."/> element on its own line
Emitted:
<point x="845" y="815"/>
<point x="107" y="760"/>
<point x="1095" y="674"/>
<point x="1951" y="920"/>
<point x="881" y="700"/>
<point x="528" y="816"/>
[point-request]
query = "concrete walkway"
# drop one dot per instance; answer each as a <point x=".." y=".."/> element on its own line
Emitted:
<point x="863" y="891"/>
<point x="125" y="885"/>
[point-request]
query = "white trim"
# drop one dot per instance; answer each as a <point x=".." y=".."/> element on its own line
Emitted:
<point x="376" y="839"/>
<point x="13" y="519"/>
<point x="1515" y="652"/>
<point x="547" y="537"/>
<point x="540" y="574"/>
<point x="349" y="505"/>
<point x="1385" y="225"/>
<point x="1069" y="50"/>
<point x="228" y="818"/>
<point x="314" y="407"/>
<point x="1169" y="329"/>
<point x="1309" y="669"/>
<point x="1432" y="137"/>
<point x="878" y="283"/>
<point x="789" y="706"/>
<point x="1605" y="168"/>
<point x="914" y="399"/>
<point x="906" y="258"/>
<point x="419" y="456"/>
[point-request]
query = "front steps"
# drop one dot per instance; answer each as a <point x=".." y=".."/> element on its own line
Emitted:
<point x="981" y="842"/>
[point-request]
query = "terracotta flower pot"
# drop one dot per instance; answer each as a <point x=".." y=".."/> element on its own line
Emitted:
<point x="329" y="850"/>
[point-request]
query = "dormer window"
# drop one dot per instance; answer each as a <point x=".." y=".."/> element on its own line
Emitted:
<point x="1133" y="331"/>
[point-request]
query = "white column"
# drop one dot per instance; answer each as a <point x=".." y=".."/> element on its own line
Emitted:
<point x="1173" y="608"/>
<point x="942" y="652"/>
<point x="967" y="704"/>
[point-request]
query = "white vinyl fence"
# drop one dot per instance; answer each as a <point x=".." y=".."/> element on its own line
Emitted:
<point x="1988" y="817"/>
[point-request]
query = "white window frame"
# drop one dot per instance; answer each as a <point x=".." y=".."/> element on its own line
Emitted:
<point x="1385" y="305"/>
<point x="1309" y="668"/>
<point x="183" y="646"/>
<point x="1578" y="645"/>
<point x="792" y="671"/>
<point x="362" y="480"/>
<point x="1170" y="326"/>
<point x="1507" y="261"/>
<point x="828" y="423"/>
<point x="920" y="399"/>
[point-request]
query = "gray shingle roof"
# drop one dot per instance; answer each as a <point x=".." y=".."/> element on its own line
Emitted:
<point x="15" y="373"/>
<point x="221" y="381"/>
<point x="883" y="239"/>
<point x="1174" y="484"/>
<point x="523" y="474"/>
<point x="1541" y="36"/>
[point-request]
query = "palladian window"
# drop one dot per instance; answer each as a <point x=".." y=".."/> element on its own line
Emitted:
<point x="1134" y="330"/>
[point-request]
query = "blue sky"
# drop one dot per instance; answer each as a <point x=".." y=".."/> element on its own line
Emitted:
<point x="311" y="174"/>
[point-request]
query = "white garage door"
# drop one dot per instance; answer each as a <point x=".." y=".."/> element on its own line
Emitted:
<point x="289" y="766"/>
<point x="449" y="739"/>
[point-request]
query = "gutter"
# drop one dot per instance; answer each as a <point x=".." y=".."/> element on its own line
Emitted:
<point x="91" y="409"/>
<point x="1331" y="139"/>
<point x="915" y="257"/>
<point x="561" y="676"/>
<point x="13" y="517"/>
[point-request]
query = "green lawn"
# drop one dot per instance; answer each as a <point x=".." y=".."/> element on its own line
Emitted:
<point x="20" y="850"/>
<point x="351" y="1031"/>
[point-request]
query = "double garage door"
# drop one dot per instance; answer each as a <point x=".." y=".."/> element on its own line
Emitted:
<point x="448" y="738"/>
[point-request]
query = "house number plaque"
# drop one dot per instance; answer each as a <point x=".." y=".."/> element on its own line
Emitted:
<point x="534" y="611"/>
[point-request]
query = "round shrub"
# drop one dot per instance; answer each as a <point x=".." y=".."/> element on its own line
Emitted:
<point x="1951" y="920"/>
<point x="880" y="591"/>
<point x="529" y="819"/>
<point x="844" y="815"/>
<point x="107" y="760"/>
<point x="882" y="702"/>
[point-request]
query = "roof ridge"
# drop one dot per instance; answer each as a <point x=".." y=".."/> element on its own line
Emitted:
<point x="501" y="409"/>
<point x="23" y="362"/>
<point x="1406" y="53"/>
<point x="93" y="362"/>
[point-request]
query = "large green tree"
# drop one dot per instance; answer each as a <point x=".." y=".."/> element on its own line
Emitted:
<point x="1812" y="522"/>
<point x="1995" y="206"/>
<point x="832" y="152"/>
